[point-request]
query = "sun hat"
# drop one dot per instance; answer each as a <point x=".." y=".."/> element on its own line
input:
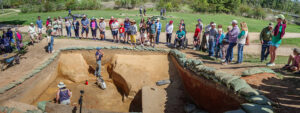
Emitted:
<point x="31" y="23"/>
<point x="133" y="21"/>
<point x="234" y="22"/>
<point x="214" y="24"/>
<point x="49" y="17"/>
<point x="271" y="24"/>
<point x="297" y="50"/>
<point x="84" y="15"/>
<point x="158" y="19"/>
<point x="281" y="16"/>
<point x="121" y="24"/>
<point x="101" y="18"/>
<point x="98" y="48"/>
<point x="61" y="85"/>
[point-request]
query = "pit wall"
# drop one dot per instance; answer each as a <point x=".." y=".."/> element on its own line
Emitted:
<point x="193" y="71"/>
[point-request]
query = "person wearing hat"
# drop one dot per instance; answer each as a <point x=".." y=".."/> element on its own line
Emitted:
<point x="133" y="32"/>
<point x="68" y="25"/>
<point x="279" y="32"/>
<point x="265" y="40"/>
<point x="122" y="32"/>
<point x="94" y="27"/>
<point x="115" y="29"/>
<point x="169" y="31"/>
<point x="232" y="39"/>
<point x="48" y="22"/>
<point x="32" y="33"/>
<point x="85" y="26"/>
<point x="158" y="24"/>
<point x="60" y="25"/>
<point x="99" y="54"/>
<point x="39" y="25"/>
<point x="293" y="63"/>
<point x="76" y="25"/>
<point x="212" y="37"/>
<point x="102" y="26"/>
<point x="63" y="94"/>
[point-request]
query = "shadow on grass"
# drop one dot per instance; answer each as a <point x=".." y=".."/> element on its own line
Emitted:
<point x="13" y="22"/>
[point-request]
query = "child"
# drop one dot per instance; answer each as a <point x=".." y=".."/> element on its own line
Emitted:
<point x="196" y="36"/>
<point x="143" y="34"/>
<point x="133" y="31"/>
<point x="219" y="38"/>
<point x="225" y="44"/>
<point x="295" y="60"/>
<point x="122" y="33"/>
<point x="242" y="41"/>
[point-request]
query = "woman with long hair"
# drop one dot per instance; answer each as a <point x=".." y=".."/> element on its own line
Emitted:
<point x="279" y="32"/>
<point x="242" y="41"/>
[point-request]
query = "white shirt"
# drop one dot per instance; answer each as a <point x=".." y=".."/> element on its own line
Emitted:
<point x="67" y="23"/>
<point x="242" y="40"/>
<point x="31" y="30"/>
<point x="102" y="25"/>
<point x="169" y="28"/>
<point x="115" y="26"/>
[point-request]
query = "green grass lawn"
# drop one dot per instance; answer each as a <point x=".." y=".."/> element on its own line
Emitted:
<point x="190" y="18"/>
<point x="287" y="42"/>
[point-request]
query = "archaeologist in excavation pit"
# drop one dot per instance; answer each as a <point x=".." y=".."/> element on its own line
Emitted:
<point x="63" y="95"/>
<point x="99" y="54"/>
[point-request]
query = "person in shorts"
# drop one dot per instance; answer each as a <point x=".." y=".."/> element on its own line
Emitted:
<point x="85" y="26"/>
<point x="102" y="26"/>
<point x="126" y="26"/>
<point x="114" y="30"/>
<point x="152" y="33"/>
<point x="32" y="33"/>
<point x="196" y="36"/>
<point x="63" y="94"/>
<point x="39" y="25"/>
<point x="294" y="61"/>
<point x="122" y="33"/>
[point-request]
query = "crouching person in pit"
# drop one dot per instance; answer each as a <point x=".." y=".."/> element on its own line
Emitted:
<point x="63" y="95"/>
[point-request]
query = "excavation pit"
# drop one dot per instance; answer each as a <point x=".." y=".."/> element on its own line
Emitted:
<point x="131" y="78"/>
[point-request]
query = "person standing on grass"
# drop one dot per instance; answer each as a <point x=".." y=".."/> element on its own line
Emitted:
<point x="233" y="35"/>
<point x="212" y="37"/>
<point x="63" y="94"/>
<point x="143" y="34"/>
<point x="265" y="40"/>
<point x="141" y="11"/>
<point x="39" y="25"/>
<point x="295" y="60"/>
<point x="48" y="22"/>
<point x="19" y="39"/>
<point x="85" y="26"/>
<point x="225" y="45"/>
<point x="153" y="32"/>
<point x="179" y="37"/>
<point x="102" y="26"/>
<point x="196" y="37"/>
<point x="76" y="25"/>
<point x="145" y="11"/>
<point x="133" y="32"/>
<point x="99" y="54"/>
<point x="148" y="24"/>
<point x="122" y="33"/>
<point x="114" y="30"/>
<point x="32" y="33"/>
<point x="94" y="27"/>
<point x="219" y="38"/>
<point x="169" y="31"/>
<point x="68" y="25"/>
<point x="55" y="24"/>
<point x="279" y="32"/>
<point x="60" y="25"/>
<point x="141" y="24"/>
<point x="158" y="24"/>
<point x="242" y="41"/>
<point x="126" y="26"/>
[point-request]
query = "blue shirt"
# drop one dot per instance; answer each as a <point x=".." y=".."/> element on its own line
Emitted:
<point x="158" y="26"/>
<point x="100" y="56"/>
<point x="63" y="94"/>
<point x="39" y="23"/>
<point x="126" y="24"/>
<point x="85" y="22"/>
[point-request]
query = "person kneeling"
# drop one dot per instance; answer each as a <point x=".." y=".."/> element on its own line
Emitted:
<point x="295" y="60"/>
<point x="63" y="95"/>
<point x="179" y="38"/>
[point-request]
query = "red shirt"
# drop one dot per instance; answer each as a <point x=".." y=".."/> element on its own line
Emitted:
<point x="111" y="21"/>
<point x="197" y="31"/>
<point x="121" y="29"/>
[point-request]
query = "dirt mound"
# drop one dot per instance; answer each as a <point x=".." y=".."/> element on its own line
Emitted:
<point x="73" y="66"/>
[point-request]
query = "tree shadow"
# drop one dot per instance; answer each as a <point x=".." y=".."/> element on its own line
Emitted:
<point x="283" y="92"/>
<point x="13" y="22"/>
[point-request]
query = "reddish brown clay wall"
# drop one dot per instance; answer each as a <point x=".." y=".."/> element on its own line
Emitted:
<point x="211" y="96"/>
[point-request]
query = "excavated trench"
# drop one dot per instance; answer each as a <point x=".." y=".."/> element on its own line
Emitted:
<point x="131" y="78"/>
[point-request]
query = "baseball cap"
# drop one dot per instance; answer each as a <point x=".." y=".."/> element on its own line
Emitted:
<point x="234" y="22"/>
<point x="281" y="16"/>
<point x="101" y="18"/>
<point x="171" y="22"/>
